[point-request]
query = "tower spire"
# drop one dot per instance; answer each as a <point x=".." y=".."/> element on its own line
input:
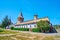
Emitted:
<point x="20" y="18"/>
<point x="21" y="15"/>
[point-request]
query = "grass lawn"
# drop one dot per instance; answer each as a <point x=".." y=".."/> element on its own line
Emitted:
<point x="3" y="31"/>
<point x="49" y="38"/>
<point x="25" y="36"/>
<point x="8" y="32"/>
<point x="21" y="36"/>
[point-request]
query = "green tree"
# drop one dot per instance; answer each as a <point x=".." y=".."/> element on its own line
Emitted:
<point x="56" y="26"/>
<point x="43" y="25"/>
<point x="6" y="22"/>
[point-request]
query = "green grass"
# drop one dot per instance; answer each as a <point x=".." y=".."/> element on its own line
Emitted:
<point x="5" y="38"/>
<point x="51" y="37"/>
<point x="20" y="35"/>
<point x="3" y="31"/>
<point x="48" y="38"/>
<point x="24" y="36"/>
<point x="27" y="35"/>
<point x="13" y="37"/>
<point x="57" y="36"/>
<point x="8" y="32"/>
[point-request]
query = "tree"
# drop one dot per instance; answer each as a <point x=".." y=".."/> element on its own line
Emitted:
<point x="6" y="22"/>
<point x="56" y="26"/>
<point x="43" y="25"/>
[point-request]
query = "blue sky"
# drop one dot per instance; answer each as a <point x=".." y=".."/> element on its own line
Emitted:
<point x="42" y="8"/>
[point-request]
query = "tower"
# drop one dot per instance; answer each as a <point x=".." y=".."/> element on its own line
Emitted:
<point x="35" y="17"/>
<point x="20" y="18"/>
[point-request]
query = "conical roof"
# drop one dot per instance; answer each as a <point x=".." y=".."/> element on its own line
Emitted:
<point x="21" y="15"/>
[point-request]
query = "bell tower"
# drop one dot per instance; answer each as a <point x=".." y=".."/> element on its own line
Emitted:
<point x="35" y="16"/>
<point x="20" y="18"/>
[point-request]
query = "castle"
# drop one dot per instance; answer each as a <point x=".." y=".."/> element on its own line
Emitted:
<point x="28" y="24"/>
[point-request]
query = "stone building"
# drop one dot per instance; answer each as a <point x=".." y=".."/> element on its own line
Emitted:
<point x="30" y="23"/>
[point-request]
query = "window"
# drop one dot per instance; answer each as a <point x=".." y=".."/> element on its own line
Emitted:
<point x="34" y="25"/>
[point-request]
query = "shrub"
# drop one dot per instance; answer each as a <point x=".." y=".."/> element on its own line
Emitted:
<point x="1" y="30"/>
<point x="21" y="29"/>
<point x="36" y="30"/>
<point x="26" y="29"/>
<point x="12" y="28"/>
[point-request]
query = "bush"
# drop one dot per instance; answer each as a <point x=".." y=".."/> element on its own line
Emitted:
<point x="36" y="30"/>
<point x="12" y="28"/>
<point x="26" y="29"/>
<point x="1" y="30"/>
<point x="21" y="29"/>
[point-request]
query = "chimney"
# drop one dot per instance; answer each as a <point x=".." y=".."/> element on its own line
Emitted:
<point x="35" y="17"/>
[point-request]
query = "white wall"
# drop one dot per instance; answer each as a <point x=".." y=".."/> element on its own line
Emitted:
<point x="26" y="26"/>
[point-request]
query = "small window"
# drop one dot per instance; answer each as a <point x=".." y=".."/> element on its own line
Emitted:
<point x="34" y="25"/>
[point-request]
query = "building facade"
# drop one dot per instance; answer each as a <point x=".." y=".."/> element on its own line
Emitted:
<point x="30" y="23"/>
